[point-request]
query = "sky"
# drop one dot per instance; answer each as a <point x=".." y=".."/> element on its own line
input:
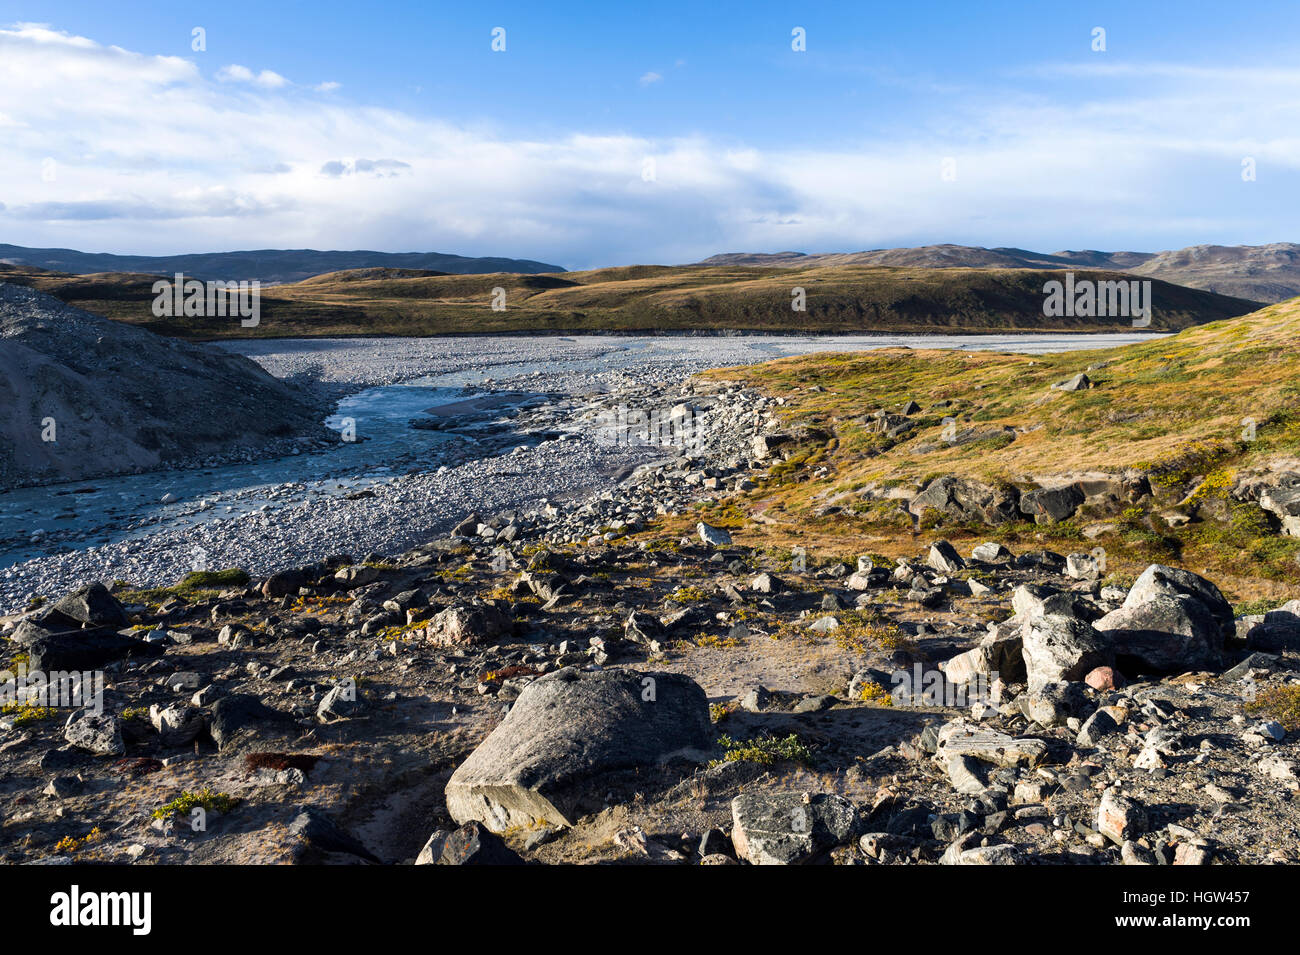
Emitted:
<point x="612" y="134"/>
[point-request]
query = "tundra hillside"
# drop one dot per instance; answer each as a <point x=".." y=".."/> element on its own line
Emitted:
<point x="683" y="299"/>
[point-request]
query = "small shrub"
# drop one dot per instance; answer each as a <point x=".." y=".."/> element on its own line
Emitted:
<point x="1280" y="703"/>
<point x="764" y="750"/>
<point x="187" y="801"/>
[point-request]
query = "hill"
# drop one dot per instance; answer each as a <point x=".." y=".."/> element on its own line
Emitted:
<point x="940" y="257"/>
<point x="839" y="299"/>
<point x="1181" y="449"/>
<point x="1264" y="273"/>
<point x="265" y="265"/>
<point x="81" y="396"/>
<point x="1268" y="273"/>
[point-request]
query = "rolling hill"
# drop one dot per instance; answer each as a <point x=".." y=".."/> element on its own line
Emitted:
<point x="683" y="299"/>
<point x="1264" y="273"/>
<point x="265" y="265"/>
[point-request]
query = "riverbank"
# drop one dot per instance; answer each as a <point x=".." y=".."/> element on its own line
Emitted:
<point x="263" y="515"/>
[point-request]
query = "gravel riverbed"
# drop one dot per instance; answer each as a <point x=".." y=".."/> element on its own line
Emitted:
<point x="540" y="446"/>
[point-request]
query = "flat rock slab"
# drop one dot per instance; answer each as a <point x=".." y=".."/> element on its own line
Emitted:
<point x="989" y="747"/>
<point x="789" y="828"/>
<point x="544" y="761"/>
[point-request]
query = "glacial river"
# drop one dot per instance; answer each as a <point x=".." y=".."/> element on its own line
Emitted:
<point x="51" y="537"/>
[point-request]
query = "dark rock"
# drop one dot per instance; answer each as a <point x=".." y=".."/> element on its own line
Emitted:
<point x="93" y="606"/>
<point x="1051" y="505"/>
<point x="322" y="834"/>
<point x="787" y="828"/>
<point x="475" y="844"/>
<point x="86" y="650"/>
<point x="240" y="719"/>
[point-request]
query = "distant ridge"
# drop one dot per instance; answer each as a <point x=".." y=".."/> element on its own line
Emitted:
<point x="939" y="257"/>
<point x="269" y="266"/>
<point x="1262" y="273"/>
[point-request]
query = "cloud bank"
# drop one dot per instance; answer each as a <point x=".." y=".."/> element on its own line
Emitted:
<point x="108" y="149"/>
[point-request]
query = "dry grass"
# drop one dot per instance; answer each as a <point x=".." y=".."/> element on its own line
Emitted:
<point x="840" y="298"/>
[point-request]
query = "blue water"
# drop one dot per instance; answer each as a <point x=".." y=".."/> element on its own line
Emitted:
<point x="120" y="508"/>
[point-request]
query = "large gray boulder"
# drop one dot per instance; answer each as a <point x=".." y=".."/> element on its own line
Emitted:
<point x="545" y="760"/>
<point x="1163" y="634"/>
<point x="968" y="500"/>
<point x="788" y="828"/>
<point x="1159" y="580"/>
<point x="1058" y="649"/>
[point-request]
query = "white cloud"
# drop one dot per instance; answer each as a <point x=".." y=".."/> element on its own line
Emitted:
<point x="267" y="79"/>
<point x="649" y="78"/>
<point x="329" y="86"/>
<point x="249" y="162"/>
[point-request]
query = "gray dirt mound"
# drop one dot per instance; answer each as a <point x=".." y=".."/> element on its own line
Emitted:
<point x="118" y="399"/>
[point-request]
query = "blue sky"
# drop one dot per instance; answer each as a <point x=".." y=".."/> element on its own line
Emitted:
<point x="609" y="134"/>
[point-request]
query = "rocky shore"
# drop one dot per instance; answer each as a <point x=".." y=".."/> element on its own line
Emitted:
<point x="616" y="679"/>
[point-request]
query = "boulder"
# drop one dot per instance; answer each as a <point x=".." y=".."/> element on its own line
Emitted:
<point x="1120" y="818"/>
<point x="1082" y="567"/>
<point x="1098" y="726"/>
<point x="285" y="583"/>
<point x="1033" y="600"/>
<point x="566" y="730"/>
<point x="1158" y="580"/>
<point x="713" y="536"/>
<point x="99" y="733"/>
<point x="93" y="606"/>
<point x="1060" y="649"/>
<point x="1284" y="504"/>
<point x="789" y="828"/>
<point x="474" y="844"/>
<point x="763" y="445"/>
<point x="466" y="624"/>
<point x="358" y="575"/>
<point x="1164" y="635"/>
<point x="997" y="654"/>
<point x="1053" y="704"/>
<point x="967" y="500"/>
<point x="957" y="739"/>
<point x="177" y="724"/>
<point x="1079" y="382"/>
<point x="86" y="650"/>
<point x="944" y="558"/>
<point x="991" y="552"/>
<point x="1051" y="505"/>
<point x="240" y="720"/>
<point x="324" y="837"/>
